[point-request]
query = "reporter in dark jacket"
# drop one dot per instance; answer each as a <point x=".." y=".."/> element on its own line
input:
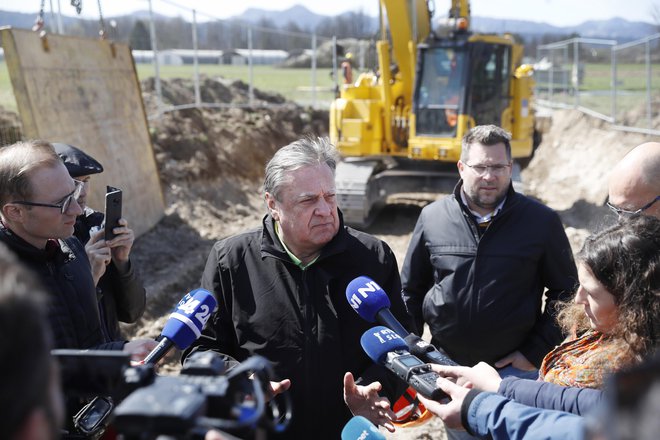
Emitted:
<point x="38" y="212"/>
<point x="281" y="294"/>
<point x="119" y="290"/>
<point x="480" y="260"/>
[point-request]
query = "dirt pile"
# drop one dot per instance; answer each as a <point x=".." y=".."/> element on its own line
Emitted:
<point x="570" y="170"/>
<point x="211" y="165"/>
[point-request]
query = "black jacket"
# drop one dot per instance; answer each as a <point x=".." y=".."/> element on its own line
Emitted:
<point x="482" y="296"/>
<point x="64" y="271"/>
<point x="300" y="319"/>
<point x="121" y="296"/>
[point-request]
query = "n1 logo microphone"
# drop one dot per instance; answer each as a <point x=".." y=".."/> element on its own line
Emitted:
<point x="385" y="347"/>
<point x="371" y="302"/>
<point x="185" y="323"/>
<point x="359" y="428"/>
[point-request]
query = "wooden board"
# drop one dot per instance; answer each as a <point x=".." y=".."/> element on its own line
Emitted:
<point x="85" y="92"/>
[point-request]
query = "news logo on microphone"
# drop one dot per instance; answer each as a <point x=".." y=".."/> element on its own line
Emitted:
<point x="191" y="313"/>
<point x="185" y="323"/>
<point x="366" y="297"/>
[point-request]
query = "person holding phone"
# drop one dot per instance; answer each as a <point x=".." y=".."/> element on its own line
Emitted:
<point x="121" y="294"/>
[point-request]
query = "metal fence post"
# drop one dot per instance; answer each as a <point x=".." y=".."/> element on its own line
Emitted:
<point x="314" y="70"/>
<point x="334" y="63"/>
<point x="198" y="99"/>
<point x="154" y="48"/>
<point x="551" y="89"/>
<point x="649" y="114"/>
<point x="614" y="85"/>
<point x="250" y="73"/>
<point x="576" y="69"/>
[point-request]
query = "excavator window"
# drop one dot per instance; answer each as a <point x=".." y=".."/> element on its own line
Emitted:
<point x="440" y="90"/>
<point x="490" y="78"/>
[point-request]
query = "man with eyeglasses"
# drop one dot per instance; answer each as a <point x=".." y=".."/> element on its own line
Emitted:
<point x="634" y="186"/>
<point x="480" y="260"/>
<point x="38" y="210"/>
<point x="121" y="294"/>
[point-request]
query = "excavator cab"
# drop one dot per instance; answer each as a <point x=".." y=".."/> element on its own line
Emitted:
<point x="459" y="83"/>
<point x="470" y="79"/>
<point x="399" y="130"/>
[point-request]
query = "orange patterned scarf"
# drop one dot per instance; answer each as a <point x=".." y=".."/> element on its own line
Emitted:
<point x="583" y="362"/>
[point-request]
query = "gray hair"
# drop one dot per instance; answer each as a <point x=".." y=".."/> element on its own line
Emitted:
<point x="487" y="135"/>
<point x="308" y="151"/>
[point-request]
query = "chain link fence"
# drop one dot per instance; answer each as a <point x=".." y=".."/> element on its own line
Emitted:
<point x="619" y="83"/>
<point x="301" y="67"/>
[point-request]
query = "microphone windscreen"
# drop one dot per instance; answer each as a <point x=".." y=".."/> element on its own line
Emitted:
<point x="359" y="428"/>
<point x="187" y="321"/>
<point x="379" y="340"/>
<point x="366" y="297"/>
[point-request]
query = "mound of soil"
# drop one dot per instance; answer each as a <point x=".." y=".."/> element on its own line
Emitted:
<point x="211" y="164"/>
<point x="570" y="170"/>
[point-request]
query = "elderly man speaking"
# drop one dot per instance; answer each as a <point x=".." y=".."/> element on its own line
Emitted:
<point x="281" y="294"/>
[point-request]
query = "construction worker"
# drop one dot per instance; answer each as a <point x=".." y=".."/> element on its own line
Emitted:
<point x="347" y="68"/>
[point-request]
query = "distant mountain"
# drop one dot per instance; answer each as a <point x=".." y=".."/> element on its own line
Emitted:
<point x="298" y="14"/>
<point x="615" y="28"/>
<point x="26" y="20"/>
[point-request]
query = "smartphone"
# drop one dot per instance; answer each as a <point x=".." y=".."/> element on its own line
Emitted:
<point x="92" y="419"/>
<point x="112" y="211"/>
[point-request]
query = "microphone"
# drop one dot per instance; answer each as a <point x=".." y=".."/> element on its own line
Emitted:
<point x="371" y="302"/>
<point x="385" y="347"/>
<point x="359" y="428"/>
<point x="422" y="349"/>
<point x="185" y="324"/>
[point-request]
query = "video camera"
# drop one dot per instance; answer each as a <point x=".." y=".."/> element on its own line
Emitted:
<point x="137" y="402"/>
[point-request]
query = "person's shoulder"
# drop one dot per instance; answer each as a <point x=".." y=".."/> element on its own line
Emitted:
<point x="370" y="241"/>
<point x="439" y="207"/>
<point x="238" y="242"/>
<point x="533" y="205"/>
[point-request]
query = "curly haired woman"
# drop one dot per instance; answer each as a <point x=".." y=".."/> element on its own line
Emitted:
<point x="615" y="317"/>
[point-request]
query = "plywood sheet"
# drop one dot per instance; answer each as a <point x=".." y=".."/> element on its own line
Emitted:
<point x="85" y="92"/>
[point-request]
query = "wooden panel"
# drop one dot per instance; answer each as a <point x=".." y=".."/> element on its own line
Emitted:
<point x="85" y="92"/>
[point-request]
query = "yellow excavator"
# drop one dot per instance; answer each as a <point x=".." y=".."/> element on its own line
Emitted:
<point x="399" y="129"/>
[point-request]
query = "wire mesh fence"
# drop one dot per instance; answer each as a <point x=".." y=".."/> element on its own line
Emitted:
<point x="619" y="83"/>
<point x="186" y="62"/>
<point x="299" y="66"/>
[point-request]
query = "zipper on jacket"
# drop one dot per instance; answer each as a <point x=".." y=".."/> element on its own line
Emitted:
<point x="309" y="346"/>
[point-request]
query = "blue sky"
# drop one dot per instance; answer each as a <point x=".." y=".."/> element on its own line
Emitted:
<point x="556" y="12"/>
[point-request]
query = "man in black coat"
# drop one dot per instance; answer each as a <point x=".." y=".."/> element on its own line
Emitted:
<point x="281" y="294"/>
<point x="38" y="201"/>
<point x="120" y="292"/>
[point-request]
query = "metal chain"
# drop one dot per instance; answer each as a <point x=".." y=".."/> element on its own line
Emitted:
<point x="102" y="32"/>
<point x="78" y="5"/>
<point x="39" y="22"/>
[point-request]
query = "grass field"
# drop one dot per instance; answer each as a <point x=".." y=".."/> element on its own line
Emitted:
<point x="295" y="84"/>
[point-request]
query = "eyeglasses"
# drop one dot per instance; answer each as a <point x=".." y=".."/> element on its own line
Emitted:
<point x="497" y="170"/>
<point x="66" y="201"/>
<point x="623" y="212"/>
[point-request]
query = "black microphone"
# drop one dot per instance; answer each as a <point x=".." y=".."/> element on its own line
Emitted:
<point x="385" y="347"/>
<point x="371" y="302"/>
<point x="422" y="349"/>
<point x="185" y="324"/>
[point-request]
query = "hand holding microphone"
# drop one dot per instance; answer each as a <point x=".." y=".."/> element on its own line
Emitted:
<point x="371" y="302"/>
<point x="185" y="324"/>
